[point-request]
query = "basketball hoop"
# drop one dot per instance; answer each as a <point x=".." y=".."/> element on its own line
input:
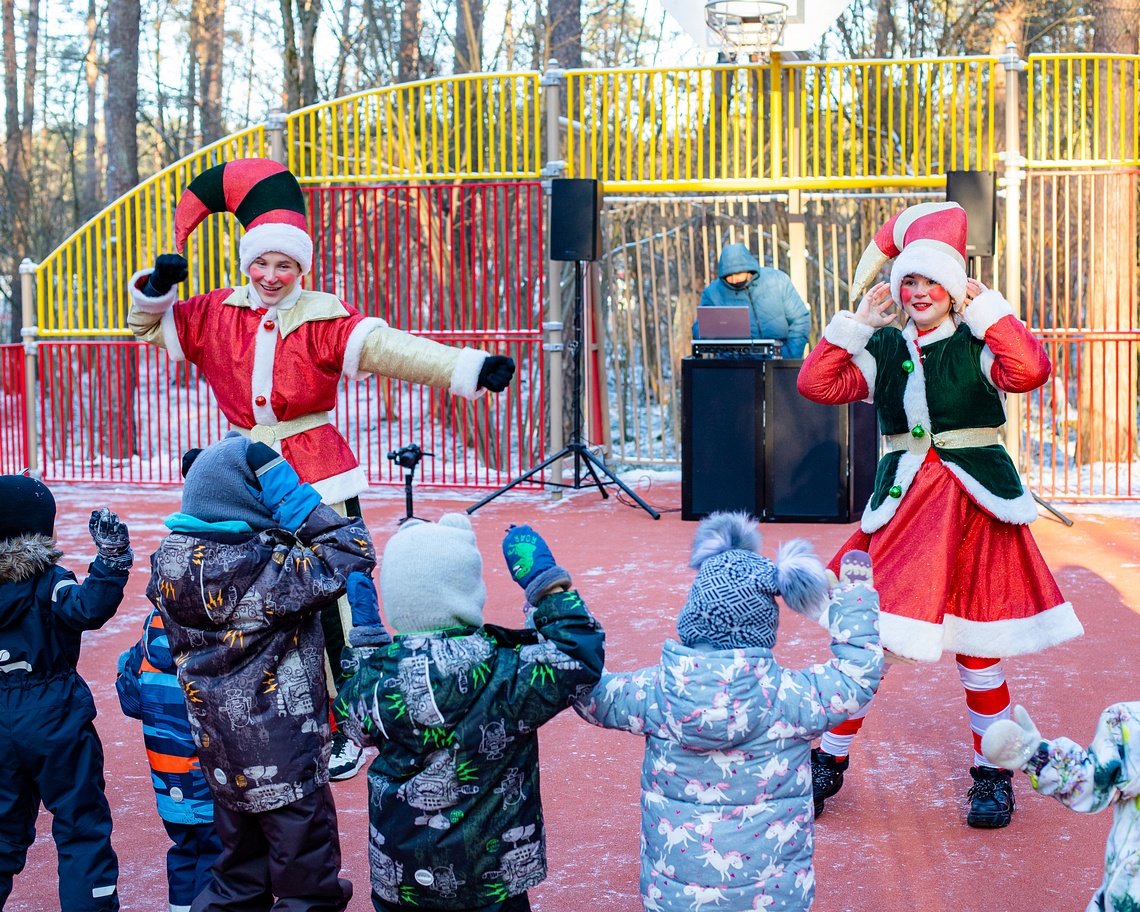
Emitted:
<point x="748" y="29"/>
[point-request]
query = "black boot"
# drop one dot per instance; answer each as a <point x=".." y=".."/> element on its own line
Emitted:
<point x="991" y="797"/>
<point x="826" y="776"/>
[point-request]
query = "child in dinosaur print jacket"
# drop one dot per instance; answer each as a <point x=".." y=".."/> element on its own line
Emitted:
<point x="454" y="705"/>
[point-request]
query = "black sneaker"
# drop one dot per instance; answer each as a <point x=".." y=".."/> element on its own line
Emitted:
<point x="991" y="798"/>
<point x="826" y="776"/>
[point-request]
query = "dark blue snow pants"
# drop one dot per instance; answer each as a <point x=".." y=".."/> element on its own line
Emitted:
<point x="50" y="752"/>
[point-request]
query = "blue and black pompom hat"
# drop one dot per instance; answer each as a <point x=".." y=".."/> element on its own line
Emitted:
<point x="732" y="602"/>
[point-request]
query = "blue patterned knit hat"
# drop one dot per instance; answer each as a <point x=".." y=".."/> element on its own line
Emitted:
<point x="732" y="602"/>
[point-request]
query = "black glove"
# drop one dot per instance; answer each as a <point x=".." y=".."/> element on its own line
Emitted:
<point x="496" y="373"/>
<point x="112" y="540"/>
<point x="169" y="270"/>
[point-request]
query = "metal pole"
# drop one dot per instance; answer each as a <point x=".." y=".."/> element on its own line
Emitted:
<point x="797" y="230"/>
<point x="31" y="357"/>
<point x="1012" y="176"/>
<point x="552" y="82"/>
<point x="275" y="127"/>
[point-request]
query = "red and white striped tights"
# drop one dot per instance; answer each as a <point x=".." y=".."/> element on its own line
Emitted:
<point x="987" y="699"/>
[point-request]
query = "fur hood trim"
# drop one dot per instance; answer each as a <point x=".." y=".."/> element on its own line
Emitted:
<point x="23" y="557"/>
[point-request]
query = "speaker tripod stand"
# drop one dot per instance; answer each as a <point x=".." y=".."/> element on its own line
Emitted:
<point x="577" y="446"/>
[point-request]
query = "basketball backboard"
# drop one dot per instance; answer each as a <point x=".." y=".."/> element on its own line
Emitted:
<point x="806" y="22"/>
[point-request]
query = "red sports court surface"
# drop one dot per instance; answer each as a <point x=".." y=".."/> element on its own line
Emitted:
<point x="895" y="838"/>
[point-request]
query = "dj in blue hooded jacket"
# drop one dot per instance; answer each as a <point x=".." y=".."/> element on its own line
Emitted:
<point x="776" y="309"/>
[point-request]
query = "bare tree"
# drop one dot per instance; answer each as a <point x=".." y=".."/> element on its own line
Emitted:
<point x="409" y="56"/>
<point x="12" y="131"/>
<point x="31" y="47"/>
<point x="884" y="28"/>
<point x="565" y="24"/>
<point x="468" y="36"/>
<point x="207" y="30"/>
<point x="121" y="101"/>
<point x="299" y="64"/>
<point x="90" y="203"/>
<point x="119" y="438"/>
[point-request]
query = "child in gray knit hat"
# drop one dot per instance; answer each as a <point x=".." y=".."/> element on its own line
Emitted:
<point x="454" y="705"/>
<point x="726" y="810"/>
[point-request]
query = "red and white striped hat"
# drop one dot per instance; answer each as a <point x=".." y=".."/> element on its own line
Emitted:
<point x="928" y="240"/>
<point x="263" y="195"/>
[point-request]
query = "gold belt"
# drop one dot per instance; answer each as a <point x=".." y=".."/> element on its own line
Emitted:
<point x="271" y="433"/>
<point x="957" y="439"/>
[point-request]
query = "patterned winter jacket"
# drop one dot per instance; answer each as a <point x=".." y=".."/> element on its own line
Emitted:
<point x="454" y="805"/>
<point x="726" y="803"/>
<point x="1089" y="781"/>
<point x="242" y="611"/>
<point x="148" y="690"/>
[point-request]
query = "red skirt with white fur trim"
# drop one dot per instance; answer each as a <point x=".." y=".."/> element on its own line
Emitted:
<point x="953" y="578"/>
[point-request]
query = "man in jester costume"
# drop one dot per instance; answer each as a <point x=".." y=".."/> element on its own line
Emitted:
<point x="947" y="526"/>
<point x="274" y="353"/>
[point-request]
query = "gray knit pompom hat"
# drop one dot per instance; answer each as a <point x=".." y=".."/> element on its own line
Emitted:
<point x="732" y="602"/>
<point x="431" y="576"/>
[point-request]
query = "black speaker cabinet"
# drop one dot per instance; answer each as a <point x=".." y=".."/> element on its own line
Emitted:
<point x="750" y="441"/>
<point x="575" y="219"/>
<point x="976" y="192"/>
<point x="722" y="420"/>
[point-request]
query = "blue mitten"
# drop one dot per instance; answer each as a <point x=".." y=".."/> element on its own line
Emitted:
<point x="530" y="562"/>
<point x="363" y="600"/>
<point x="368" y="633"/>
<point x="127" y="682"/>
<point x="280" y="488"/>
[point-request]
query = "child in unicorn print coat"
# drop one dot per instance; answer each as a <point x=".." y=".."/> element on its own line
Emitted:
<point x="726" y="804"/>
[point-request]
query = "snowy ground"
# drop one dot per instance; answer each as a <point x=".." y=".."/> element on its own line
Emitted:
<point x="894" y="839"/>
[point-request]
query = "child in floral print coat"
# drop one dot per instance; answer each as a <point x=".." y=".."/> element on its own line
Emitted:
<point x="726" y="802"/>
<point x="1087" y="781"/>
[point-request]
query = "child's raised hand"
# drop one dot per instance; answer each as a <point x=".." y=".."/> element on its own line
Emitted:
<point x="530" y="562"/>
<point x="873" y="307"/>
<point x="112" y="540"/>
<point x="279" y="487"/>
<point x="1011" y="744"/>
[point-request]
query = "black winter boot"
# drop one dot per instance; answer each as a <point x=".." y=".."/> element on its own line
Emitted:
<point x="826" y="776"/>
<point x="991" y="797"/>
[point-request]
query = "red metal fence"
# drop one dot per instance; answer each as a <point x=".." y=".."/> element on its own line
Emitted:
<point x="459" y="264"/>
<point x="1080" y="301"/>
<point x="13" y="403"/>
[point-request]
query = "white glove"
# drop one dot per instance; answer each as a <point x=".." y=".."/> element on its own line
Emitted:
<point x="1010" y="744"/>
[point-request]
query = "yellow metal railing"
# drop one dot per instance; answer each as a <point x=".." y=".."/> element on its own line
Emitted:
<point x="805" y="125"/>
<point x="81" y="288"/>
<point x="810" y="125"/>
<point x="1082" y="111"/>
<point x="480" y="127"/>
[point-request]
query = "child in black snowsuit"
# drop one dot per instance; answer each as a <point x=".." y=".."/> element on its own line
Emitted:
<point x="241" y="581"/>
<point x="49" y="749"/>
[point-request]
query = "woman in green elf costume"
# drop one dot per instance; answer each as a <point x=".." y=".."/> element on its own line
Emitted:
<point x="946" y="527"/>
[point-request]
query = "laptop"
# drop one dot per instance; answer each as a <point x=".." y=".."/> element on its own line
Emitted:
<point x="724" y="323"/>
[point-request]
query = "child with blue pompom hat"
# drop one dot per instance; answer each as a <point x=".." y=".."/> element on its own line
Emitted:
<point x="726" y="804"/>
